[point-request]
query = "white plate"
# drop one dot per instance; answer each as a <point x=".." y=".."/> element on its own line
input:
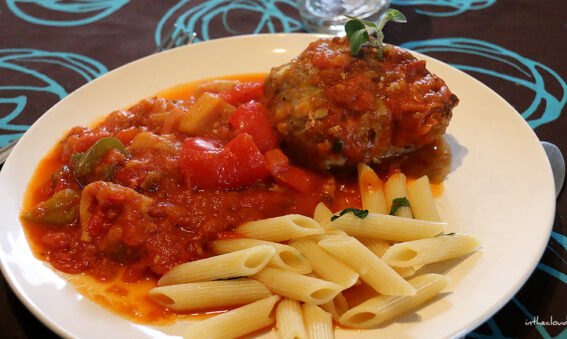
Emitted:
<point x="500" y="189"/>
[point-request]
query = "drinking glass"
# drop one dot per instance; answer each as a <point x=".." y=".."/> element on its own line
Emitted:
<point x="328" y="16"/>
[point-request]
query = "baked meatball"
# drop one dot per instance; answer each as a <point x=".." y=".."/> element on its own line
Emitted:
<point x="336" y="110"/>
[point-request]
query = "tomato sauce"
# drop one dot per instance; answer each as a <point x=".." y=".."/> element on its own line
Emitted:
<point x="146" y="212"/>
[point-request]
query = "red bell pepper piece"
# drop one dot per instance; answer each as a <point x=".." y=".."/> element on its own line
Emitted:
<point x="243" y="92"/>
<point x="299" y="179"/>
<point x="207" y="165"/>
<point x="251" y="118"/>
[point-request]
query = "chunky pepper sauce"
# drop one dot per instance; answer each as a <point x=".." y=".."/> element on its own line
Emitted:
<point x="149" y="205"/>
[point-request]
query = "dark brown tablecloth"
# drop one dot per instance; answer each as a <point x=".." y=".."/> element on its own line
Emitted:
<point x="516" y="47"/>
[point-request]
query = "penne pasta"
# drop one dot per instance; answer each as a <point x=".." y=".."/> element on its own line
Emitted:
<point x="208" y="294"/>
<point x="286" y="257"/>
<point x="296" y="286"/>
<point x="289" y="320"/>
<point x="236" y="322"/>
<point x="371" y="190"/>
<point x="236" y="264"/>
<point x="322" y="214"/>
<point x="280" y="228"/>
<point x="387" y="227"/>
<point x="377" y="310"/>
<point x="421" y="200"/>
<point x="371" y="268"/>
<point x="324" y="264"/>
<point x="395" y="188"/>
<point x="337" y="306"/>
<point x="319" y="323"/>
<point x="427" y="251"/>
<point x="379" y="247"/>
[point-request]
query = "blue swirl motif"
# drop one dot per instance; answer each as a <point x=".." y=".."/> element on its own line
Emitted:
<point x="22" y="62"/>
<point x="188" y="18"/>
<point x="530" y="74"/>
<point x="90" y="10"/>
<point x="456" y="6"/>
<point x="496" y="333"/>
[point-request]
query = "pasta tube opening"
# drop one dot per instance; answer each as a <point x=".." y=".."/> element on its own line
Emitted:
<point x="324" y="294"/>
<point x="256" y="260"/>
<point x="304" y="222"/>
<point x="403" y="254"/>
<point x="163" y="299"/>
<point x="291" y="259"/>
<point x="362" y="317"/>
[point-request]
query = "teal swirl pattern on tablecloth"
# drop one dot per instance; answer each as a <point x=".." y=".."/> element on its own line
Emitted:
<point x="85" y="11"/>
<point x="445" y="7"/>
<point x="197" y="18"/>
<point x="531" y="74"/>
<point x="22" y="61"/>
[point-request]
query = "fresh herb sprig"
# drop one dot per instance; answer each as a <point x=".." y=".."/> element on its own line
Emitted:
<point x="360" y="31"/>
<point x="397" y="203"/>
<point x="357" y="212"/>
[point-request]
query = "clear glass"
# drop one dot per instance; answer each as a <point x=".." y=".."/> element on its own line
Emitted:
<point x="328" y="16"/>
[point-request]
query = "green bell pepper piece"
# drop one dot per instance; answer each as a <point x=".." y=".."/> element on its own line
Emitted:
<point x="61" y="209"/>
<point x="85" y="163"/>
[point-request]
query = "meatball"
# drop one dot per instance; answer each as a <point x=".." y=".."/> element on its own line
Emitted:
<point x="336" y="110"/>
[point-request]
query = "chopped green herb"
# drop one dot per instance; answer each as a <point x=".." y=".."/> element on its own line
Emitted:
<point x="357" y="212"/>
<point x="397" y="203"/>
<point x="338" y="145"/>
<point x="360" y="31"/>
<point x="448" y="234"/>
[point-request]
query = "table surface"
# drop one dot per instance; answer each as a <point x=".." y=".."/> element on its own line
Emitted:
<point x="516" y="47"/>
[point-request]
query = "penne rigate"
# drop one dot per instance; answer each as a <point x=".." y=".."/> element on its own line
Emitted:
<point x="324" y="264"/>
<point x="337" y="306"/>
<point x="371" y="190"/>
<point x="379" y="247"/>
<point x="377" y="310"/>
<point x="280" y="228"/>
<point x="286" y="257"/>
<point x="208" y="294"/>
<point x="395" y="188"/>
<point x="427" y="251"/>
<point x="296" y="286"/>
<point x="318" y="322"/>
<point x="236" y="264"/>
<point x="387" y="227"/>
<point x="371" y="268"/>
<point x="421" y="200"/>
<point x="236" y="322"/>
<point x="289" y="320"/>
<point x="322" y="214"/>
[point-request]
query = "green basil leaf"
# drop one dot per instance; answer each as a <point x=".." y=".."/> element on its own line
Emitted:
<point x="397" y="203"/>
<point x="357" y="212"/>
